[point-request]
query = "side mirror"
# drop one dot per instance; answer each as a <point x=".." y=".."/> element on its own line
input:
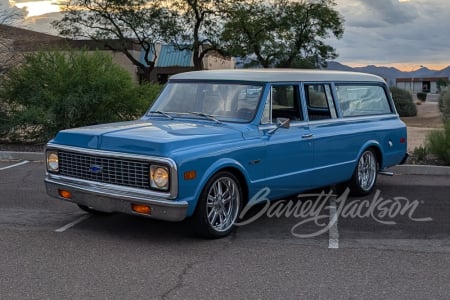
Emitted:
<point x="281" y="123"/>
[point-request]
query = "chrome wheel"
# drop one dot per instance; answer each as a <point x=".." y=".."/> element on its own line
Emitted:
<point x="367" y="171"/>
<point x="364" y="176"/>
<point x="218" y="206"/>
<point x="222" y="204"/>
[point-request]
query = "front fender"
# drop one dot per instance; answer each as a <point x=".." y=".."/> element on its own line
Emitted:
<point x="221" y="164"/>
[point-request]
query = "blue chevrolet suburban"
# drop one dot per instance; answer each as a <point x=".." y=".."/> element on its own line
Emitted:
<point x="213" y="139"/>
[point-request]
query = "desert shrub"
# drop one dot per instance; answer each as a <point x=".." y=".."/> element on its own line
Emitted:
<point x="56" y="90"/>
<point x="420" y="153"/>
<point x="438" y="143"/>
<point x="422" y="96"/>
<point x="403" y="102"/>
<point x="444" y="105"/>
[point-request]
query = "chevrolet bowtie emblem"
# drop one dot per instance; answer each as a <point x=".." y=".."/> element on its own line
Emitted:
<point x="95" y="169"/>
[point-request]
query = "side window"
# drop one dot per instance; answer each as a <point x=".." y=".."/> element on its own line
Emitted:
<point x="320" y="102"/>
<point x="362" y="100"/>
<point x="283" y="103"/>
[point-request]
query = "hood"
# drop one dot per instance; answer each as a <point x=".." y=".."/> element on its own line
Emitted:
<point x="156" y="137"/>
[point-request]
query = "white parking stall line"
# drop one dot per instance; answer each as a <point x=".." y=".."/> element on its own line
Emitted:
<point x="333" y="240"/>
<point x="15" y="165"/>
<point x="71" y="224"/>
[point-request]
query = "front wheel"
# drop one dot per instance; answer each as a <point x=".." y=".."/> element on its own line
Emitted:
<point x="218" y="206"/>
<point x="365" y="175"/>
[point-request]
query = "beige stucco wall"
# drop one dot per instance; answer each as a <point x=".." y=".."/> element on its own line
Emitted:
<point x="123" y="61"/>
<point x="211" y="62"/>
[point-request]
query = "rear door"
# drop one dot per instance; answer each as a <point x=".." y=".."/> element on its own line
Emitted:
<point x="333" y="152"/>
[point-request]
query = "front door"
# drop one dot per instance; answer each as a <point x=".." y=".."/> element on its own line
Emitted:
<point x="289" y="151"/>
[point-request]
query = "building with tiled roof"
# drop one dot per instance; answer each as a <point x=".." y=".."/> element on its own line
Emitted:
<point x="170" y="61"/>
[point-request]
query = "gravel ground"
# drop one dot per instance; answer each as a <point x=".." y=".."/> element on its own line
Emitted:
<point x="428" y="118"/>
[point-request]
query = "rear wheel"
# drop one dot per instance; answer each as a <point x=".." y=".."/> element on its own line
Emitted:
<point x="365" y="175"/>
<point x="218" y="206"/>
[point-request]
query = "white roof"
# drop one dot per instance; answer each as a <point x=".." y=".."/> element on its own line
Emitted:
<point x="277" y="75"/>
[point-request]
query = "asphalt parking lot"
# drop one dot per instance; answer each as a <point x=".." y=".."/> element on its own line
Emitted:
<point x="399" y="248"/>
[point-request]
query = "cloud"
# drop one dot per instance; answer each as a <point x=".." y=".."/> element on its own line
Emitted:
<point x="42" y="23"/>
<point x="389" y="31"/>
<point x="391" y="11"/>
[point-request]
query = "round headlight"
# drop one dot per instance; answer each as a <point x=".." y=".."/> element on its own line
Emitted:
<point x="159" y="177"/>
<point x="52" y="161"/>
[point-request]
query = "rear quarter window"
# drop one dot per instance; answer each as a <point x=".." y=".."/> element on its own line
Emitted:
<point x="362" y="100"/>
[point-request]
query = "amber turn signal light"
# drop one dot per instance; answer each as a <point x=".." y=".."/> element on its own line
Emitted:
<point x="141" y="209"/>
<point x="189" y="175"/>
<point x="65" y="194"/>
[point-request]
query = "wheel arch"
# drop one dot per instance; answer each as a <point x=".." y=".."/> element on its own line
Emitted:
<point x="228" y="165"/>
<point x="377" y="149"/>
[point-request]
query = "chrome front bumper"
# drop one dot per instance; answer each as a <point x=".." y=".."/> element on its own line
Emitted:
<point x="111" y="198"/>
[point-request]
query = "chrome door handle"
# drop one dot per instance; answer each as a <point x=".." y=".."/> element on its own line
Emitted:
<point x="307" y="136"/>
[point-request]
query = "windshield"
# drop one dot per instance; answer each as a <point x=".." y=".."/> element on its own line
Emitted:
<point x="222" y="101"/>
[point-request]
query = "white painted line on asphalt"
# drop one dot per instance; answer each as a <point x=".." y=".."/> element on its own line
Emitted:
<point x="71" y="224"/>
<point x="333" y="239"/>
<point x="15" y="165"/>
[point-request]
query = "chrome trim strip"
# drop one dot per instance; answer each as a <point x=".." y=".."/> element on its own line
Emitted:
<point x="173" y="192"/>
<point x="355" y="118"/>
<point x="338" y="120"/>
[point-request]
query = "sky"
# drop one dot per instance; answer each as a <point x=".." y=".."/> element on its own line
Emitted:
<point x="406" y="34"/>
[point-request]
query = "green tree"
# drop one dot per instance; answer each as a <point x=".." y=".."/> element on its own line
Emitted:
<point x="199" y="23"/>
<point x="119" y="24"/>
<point x="51" y="91"/>
<point x="283" y="33"/>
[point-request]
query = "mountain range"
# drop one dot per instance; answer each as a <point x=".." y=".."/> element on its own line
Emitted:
<point x="390" y="74"/>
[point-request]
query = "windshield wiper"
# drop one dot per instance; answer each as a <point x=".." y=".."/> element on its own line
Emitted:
<point x="161" y="113"/>
<point x="210" y="117"/>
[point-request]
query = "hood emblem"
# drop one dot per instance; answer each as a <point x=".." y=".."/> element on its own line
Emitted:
<point x="96" y="169"/>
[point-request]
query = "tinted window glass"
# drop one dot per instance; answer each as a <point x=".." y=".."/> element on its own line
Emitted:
<point x="284" y="104"/>
<point x="320" y="102"/>
<point x="362" y="100"/>
<point x="223" y="101"/>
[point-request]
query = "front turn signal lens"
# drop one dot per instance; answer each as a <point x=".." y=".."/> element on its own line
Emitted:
<point x="65" y="194"/>
<point x="141" y="209"/>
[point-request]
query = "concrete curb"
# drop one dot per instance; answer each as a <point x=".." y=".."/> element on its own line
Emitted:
<point x="400" y="169"/>
<point x="420" y="170"/>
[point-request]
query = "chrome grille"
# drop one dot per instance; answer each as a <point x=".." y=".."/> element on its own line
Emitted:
<point x="104" y="169"/>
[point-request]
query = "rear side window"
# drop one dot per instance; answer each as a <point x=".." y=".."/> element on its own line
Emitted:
<point x="319" y="102"/>
<point x="362" y="100"/>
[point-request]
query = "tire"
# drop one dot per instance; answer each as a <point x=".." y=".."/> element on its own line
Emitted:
<point x="218" y="206"/>
<point x="93" y="211"/>
<point x="365" y="175"/>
